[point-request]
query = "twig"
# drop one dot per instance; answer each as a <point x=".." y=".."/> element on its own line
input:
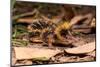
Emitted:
<point x="27" y="20"/>
<point x="78" y="18"/>
<point x="24" y="14"/>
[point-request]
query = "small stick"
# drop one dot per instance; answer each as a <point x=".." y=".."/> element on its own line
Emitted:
<point x="77" y="18"/>
<point x="24" y="14"/>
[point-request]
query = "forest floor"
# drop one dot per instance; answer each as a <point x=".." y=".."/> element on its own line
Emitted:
<point x="45" y="33"/>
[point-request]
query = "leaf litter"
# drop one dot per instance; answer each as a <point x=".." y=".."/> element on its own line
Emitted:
<point x="52" y="33"/>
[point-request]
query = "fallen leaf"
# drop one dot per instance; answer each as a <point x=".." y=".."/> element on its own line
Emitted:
<point x="86" y="58"/>
<point x="67" y="59"/>
<point x="14" y="61"/>
<point x="28" y="20"/>
<point x="79" y="43"/>
<point x="82" y="30"/>
<point x="92" y="54"/>
<point x="25" y="20"/>
<point x="64" y="59"/>
<point x="34" y="53"/>
<point x="25" y="62"/>
<point x="82" y="49"/>
<point x="36" y="40"/>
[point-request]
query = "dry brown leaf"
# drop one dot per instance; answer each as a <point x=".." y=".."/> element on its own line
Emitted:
<point x="36" y="40"/>
<point x="25" y="20"/>
<point x="28" y="62"/>
<point x="79" y="43"/>
<point x="92" y="54"/>
<point x="82" y="30"/>
<point x="64" y="59"/>
<point x="25" y="62"/>
<point x="82" y="49"/>
<point x="86" y="58"/>
<point x="34" y="53"/>
<point x="14" y="61"/>
<point x="77" y="18"/>
<point x="93" y="23"/>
